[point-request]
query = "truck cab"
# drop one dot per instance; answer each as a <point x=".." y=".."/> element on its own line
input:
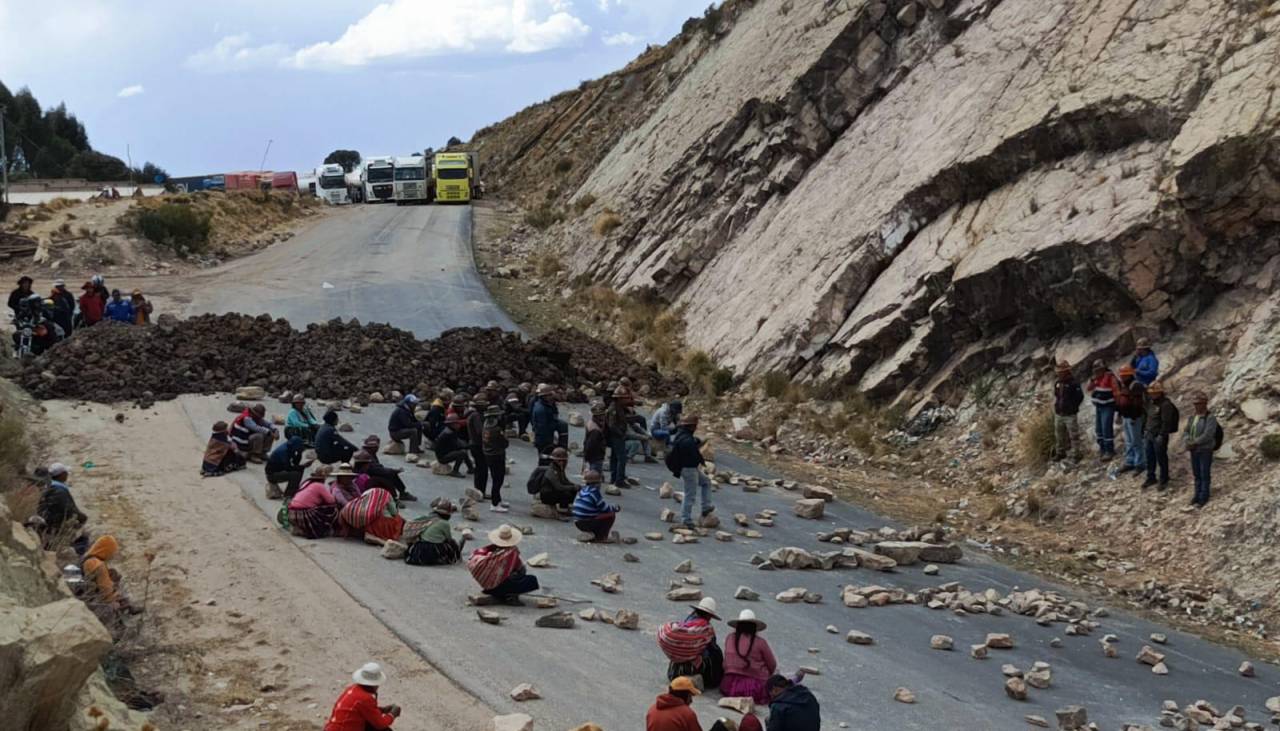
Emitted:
<point x="454" y="176"/>
<point x="411" y="185"/>
<point x="331" y="185"/>
<point x="379" y="179"/>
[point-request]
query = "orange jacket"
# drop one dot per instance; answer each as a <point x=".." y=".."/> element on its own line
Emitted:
<point x="671" y="713"/>
<point x="95" y="566"/>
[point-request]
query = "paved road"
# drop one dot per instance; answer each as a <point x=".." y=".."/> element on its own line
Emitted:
<point x="598" y="673"/>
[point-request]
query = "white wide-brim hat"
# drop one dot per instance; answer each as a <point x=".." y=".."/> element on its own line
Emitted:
<point x="707" y="606"/>
<point x="747" y="616"/>
<point x="369" y="674"/>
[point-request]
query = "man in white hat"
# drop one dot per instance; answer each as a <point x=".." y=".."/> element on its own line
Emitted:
<point x="357" y="708"/>
<point x="498" y="568"/>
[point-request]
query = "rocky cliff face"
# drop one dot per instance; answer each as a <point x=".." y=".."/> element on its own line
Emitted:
<point x="898" y="195"/>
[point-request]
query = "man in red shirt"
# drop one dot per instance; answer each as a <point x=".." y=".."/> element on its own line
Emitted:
<point x="357" y="708"/>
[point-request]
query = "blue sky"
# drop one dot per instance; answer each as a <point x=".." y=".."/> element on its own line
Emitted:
<point x="200" y="87"/>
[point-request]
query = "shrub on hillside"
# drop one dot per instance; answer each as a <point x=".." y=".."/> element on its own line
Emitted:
<point x="544" y="217"/>
<point x="1270" y="447"/>
<point x="606" y="222"/>
<point x="775" y="384"/>
<point x="1037" y="438"/>
<point x="176" y="226"/>
<point x="581" y="205"/>
<point x="721" y="381"/>
<point x="564" y="165"/>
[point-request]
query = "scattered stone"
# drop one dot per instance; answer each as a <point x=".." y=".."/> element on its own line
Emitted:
<point x="1055" y="643"/>
<point x="1036" y="721"/>
<point x="524" y="692"/>
<point x="684" y="566"/>
<point x="347" y="428"/>
<point x="251" y="393"/>
<point x="693" y="580"/>
<point x="808" y="508"/>
<point x="588" y="615"/>
<point x="488" y="616"/>
<point x="819" y="493"/>
<point x="905" y="553"/>
<point x="612" y="490"/>
<point x="741" y="519"/>
<point x="666" y="491"/>
<point x="746" y="594"/>
<point x="741" y="705"/>
<point x="854" y="637"/>
<point x="931" y="570"/>
<point x="481" y="600"/>
<point x="1246" y="669"/>
<point x="1039" y="678"/>
<point x="394" y="550"/>
<point x="1010" y="670"/>
<point x="1016" y="688"/>
<point x="978" y="652"/>
<point x="540" y="561"/>
<point x="812" y="598"/>
<point x="653" y="536"/>
<point x="904" y="695"/>
<point x="555" y="620"/>
<point x="724" y="536"/>
<point x="545" y="602"/>
<point x="684" y="594"/>
<point x="832" y="629"/>
<point x="513" y="722"/>
<point x="1072" y="718"/>
<point x="667" y="515"/>
<point x="941" y="642"/>
<point x="626" y="619"/>
<point x="1159" y="638"/>
<point x="682" y="538"/>
<point x="999" y="641"/>
<point x="630" y="558"/>
<point x="869" y="560"/>
<point x="1160" y="668"/>
<point x="1148" y="656"/>
<point x="792" y="595"/>
<point x="764" y="522"/>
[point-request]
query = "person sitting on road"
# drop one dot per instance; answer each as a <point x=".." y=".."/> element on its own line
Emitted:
<point x="313" y="510"/>
<point x="498" y="568"/>
<point x="595" y="442"/>
<point x="382" y="476"/>
<point x="357" y="708"/>
<point x="455" y="417"/>
<point x="671" y="711"/>
<point x="517" y="413"/>
<point x="690" y="645"/>
<point x="404" y="425"/>
<point x="549" y="430"/>
<point x="685" y="462"/>
<point x="118" y="309"/>
<point x="62" y="521"/>
<point x="331" y="446"/>
<point x="252" y="433"/>
<point x="142" y="309"/>
<point x="285" y="464"/>
<point x="556" y="488"/>
<point x="452" y="450"/>
<point x="92" y="307"/>
<point x="591" y="514"/>
<point x="301" y="422"/>
<point x="748" y="659"/>
<point x="373" y="514"/>
<point x="430" y="540"/>
<point x="101" y="579"/>
<point x="639" y="443"/>
<point x="220" y="454"/>
<point x="434" y="422"/>
<point x="792" y="707"/>
<point x="344" y="488"/>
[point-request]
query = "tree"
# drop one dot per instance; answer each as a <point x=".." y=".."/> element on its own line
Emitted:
<point x="348" y="159"/>
<point x="150" y="172"/>
<point x="453" y="142"/>
<point x="97" y="167"/>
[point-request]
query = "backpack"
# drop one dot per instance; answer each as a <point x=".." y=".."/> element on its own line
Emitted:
<point x="672" y="464"/>
<point x="534" y="485"/>
<point x="1177" y="416"/>
<point x="1218" y="437"/>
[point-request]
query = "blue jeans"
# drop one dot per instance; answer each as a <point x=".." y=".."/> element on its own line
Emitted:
<point x="618" y="461"/>
<point x="1135" y="454"/>
<point x="661" y="435"/>
<point x="1158" y="456"/>
<point x="693" y="480"/>
<point x="1201" y="467"/>
<point x="1104" y="427"/>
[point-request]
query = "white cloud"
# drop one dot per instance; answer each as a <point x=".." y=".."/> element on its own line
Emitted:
<point x="400" y="29"/>
<point x="131" y="90"/>
<point x="233" y="53"/>
<point x="621" y="39"/>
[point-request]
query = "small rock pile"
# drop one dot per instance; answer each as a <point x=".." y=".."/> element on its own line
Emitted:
<point x="333" y="360"/>
<point x="589" y="360"/>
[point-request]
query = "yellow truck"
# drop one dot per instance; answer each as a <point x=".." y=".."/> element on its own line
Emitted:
<point x="455" y="175"/>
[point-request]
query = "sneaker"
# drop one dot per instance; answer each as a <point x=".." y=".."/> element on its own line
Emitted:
<point x="408" y="497"/>
<point x="499" y="509"/>
<point x="631" y="482"/>
<point x="505" y="504"/>
<point x="708" y="510"/>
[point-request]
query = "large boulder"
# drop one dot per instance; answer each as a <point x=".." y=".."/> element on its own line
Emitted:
<point x="809" y="508"/>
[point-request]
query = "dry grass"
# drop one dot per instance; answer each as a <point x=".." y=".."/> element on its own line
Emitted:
<point x="606" y="222"/>
<point x="583" y="203"/>
<point x="549" y="265"/>
<point x="544" y="217"/>
<point x="1037" y="438"/>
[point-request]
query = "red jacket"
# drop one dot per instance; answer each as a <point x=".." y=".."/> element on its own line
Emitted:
<point x="749" y="722"/>
<point x="91" y="306"/>
<point x="355" y="708"/>
<point x="670" y="713"/>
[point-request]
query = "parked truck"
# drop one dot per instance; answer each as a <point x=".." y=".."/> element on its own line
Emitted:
<point x="193" y="183"/>
<point x="378" y="177"/>
<point x="455" y="176"/>
<point x="411" y="183"/>
<point x="284" y="181"/>
<point x="332" y="185"/>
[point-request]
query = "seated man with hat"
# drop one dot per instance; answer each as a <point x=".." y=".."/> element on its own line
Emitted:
<point x="556" y="488"/>
<point x="388" y="478"/>
<point x="252" y="433"/>
<point x="498" y="568"/>
<point x="357" y="708"/>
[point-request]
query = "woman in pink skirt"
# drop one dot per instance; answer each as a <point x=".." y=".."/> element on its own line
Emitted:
<point x="748" y="660"/>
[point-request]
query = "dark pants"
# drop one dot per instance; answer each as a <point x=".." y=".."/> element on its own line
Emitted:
<point x="413" y="435"/>
<point x="480" y="472"/>
<point x="1201" y="466"/>
<point x="618" y="461"/>
<point x="457" y="458"/>
<point x="338" y="453"/>
<point x="496" y="466"/>
<point x="387" y="479"/>
<point x="516" y="585"/>
<point x="598" y="526"/>
<point x="1158" y="455"/>
<point x="562" y="498"/>
<point x="308" y="433"/>
<point x="522" y="424"/>
<point x="292" y="477"/>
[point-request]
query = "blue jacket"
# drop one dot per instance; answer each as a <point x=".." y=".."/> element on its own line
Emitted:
<point x="545" y="418"/>
<point x="1146" y="367"/>
<point x="286" y="455"/>
<point x="795" y="710"/>
<point x="121" y="311"/>
<point x="590" y="504"/>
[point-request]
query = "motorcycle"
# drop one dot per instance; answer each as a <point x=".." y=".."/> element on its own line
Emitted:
<point x="34" y="331"/>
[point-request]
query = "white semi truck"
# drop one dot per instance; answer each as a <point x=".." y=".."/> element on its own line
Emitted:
<point x="411" y="184"/>
<point x="378" y="177"/>
<point x="331" y="185"/>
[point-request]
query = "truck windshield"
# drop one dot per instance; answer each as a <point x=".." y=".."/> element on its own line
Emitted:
<point x="329" y="182"/>
<point x="451" y="173"/>
<point x="378" y="175"/>
<point x="411" y="174"/>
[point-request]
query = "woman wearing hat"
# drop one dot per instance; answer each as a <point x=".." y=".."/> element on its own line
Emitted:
<point x="430" y="540"/>
<point x="690" y="645"/>
<point x="345" y="487"/>
<point x="220" y="454"/>
<point x="748" y="659"/>
<point x="301" y="422"/>
<point x="141" y="308"/>
<point x="312" y="511"/>
<point x="357" y="708"/>
<point x="498" y="568"/>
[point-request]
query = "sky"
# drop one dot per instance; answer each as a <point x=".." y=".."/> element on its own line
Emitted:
<point x="200" y="88"/>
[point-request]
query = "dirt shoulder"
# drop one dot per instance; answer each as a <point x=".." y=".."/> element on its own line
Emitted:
<point x="242" y="628"/>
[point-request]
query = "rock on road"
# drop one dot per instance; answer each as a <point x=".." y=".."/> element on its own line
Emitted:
<point x="412" y="267"/>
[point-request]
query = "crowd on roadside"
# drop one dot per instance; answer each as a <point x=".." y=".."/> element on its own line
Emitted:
<point x="1135" y="397"/>
<point x="54" y="317"/>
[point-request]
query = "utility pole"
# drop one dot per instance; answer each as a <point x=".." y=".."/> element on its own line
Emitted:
<point x="129" y="156"/>
<point x="4" y="163"/>
<point x="263" y="165"/>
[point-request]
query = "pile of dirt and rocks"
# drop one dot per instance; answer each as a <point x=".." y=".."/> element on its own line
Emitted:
<point x="216" y="353"/>
<point x="595" y="361"/>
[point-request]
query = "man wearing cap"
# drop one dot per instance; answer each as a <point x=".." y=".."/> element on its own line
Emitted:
<point x="252" y="433"/>
<point x="1067" y="397"/>
<point x="1102" y="392"/>
<point x="301" y="422"/>
<point x="556" y="488"/>
<point x="662" y="425"/>
<point x="20" y="293"/>
<point x="685" y="462"/>
<point x="357" y="708"/>
<point x="792" y="707"/>
<point x="58" y="510"/>
<point x="548" y="427"/>
<point x="92" y="305"/>
<point x="591" y="514"/>
<point x="1146" y="366"/>
<point x="285" y="464"/>
<point x="595" y="443"/>
<point x="1201" y="438"/>
<point x="671" y="711"/>
<point x="1131" y="395"/>
<point x="615" y="419"/>
<point x="1162" y="420"/>
<point x="64" y="306"/>
<point x="404" y="425"/>
<point x="331" y="446"/>
<point x="498" y="568"/>
<point x="118" y="309"/>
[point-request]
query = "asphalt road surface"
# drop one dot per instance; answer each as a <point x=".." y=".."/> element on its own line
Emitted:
<point x="598" y="673"/>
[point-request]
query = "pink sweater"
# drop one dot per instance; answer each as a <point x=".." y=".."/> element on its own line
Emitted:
<point x="313" y="494"/>
<point x="759" y="662"/>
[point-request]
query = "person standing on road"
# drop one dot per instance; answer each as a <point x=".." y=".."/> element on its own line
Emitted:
<point x="685" y="461"/>
<point x="332" y="447"/>
<point x="252" y="433"/>
<point x="1130" y="403"/>
<point x="92" y="307"/>
<point x="1145" y="365"/>
<point x="284" y="464"/>
<point x="548" y="427"/>
<point x="493" y="450"/>
<point x="404" y="425"/>
<point x="475" y="442"/>
<point x="1162" y="420"/>
<point x="1067" y="397"/>
<point x="671" y="712"/>
<point x="142" y="309"/>
<point x="1102" y="392"/>
<point x="591" y="514"/>
<point x="20" y="293"/>
<point x="615" y="419"/>
<point x="357" y="708"/>
<point x="1203" y="435"/>
<point x="748" y="659"/>
<point x="595" y="443"/>
<point x="556" y="488"/>
<point x="792" y="706"/>
<point x="498" y="568"/>
<point x="524" y="402"/>
<point x="118" y="309"/>
<point x="64" y="306"/>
